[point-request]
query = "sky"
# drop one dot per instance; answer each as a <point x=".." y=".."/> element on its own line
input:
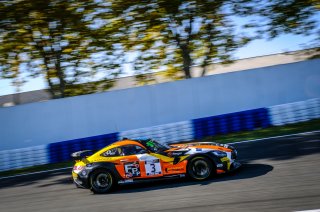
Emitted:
<point x="256" y="48"/>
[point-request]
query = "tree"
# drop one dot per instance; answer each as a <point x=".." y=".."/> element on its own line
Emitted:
<point x="275" y="17"/>
<point x="296" y="17"/>
<point x="175" y="35"/>
<point x="293" y="16"/>
<point x="54" y="39"/>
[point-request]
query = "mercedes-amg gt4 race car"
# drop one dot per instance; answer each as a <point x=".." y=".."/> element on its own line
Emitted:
<point x="129" y="161"/>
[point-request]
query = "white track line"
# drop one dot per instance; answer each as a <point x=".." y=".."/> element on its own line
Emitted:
<point x="314" y="210"/>
<point x="247" y="141"/>
<point x="281" y="136"/>
<point x="39" y="172"/>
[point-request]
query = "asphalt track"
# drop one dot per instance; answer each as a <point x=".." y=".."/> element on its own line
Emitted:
<point x="278" y="175"/>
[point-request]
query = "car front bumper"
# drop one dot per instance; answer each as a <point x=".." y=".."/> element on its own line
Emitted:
<point x="80" y="181"/>
<point x="234" y="166"/>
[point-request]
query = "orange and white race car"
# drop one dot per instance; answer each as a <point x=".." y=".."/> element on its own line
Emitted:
<point x="129" y="161"/>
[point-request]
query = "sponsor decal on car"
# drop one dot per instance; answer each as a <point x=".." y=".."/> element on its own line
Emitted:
<point x="175" y="169"/>
<point x="77" y="169"/>
<point x="132" y="169"/>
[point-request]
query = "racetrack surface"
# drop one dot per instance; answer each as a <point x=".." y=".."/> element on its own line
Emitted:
<point x="278" y="175"/>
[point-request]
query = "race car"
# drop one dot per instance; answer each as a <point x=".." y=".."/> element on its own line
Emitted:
<point x="139" y="160"/>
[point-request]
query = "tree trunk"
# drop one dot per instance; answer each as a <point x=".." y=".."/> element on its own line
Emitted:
<point x="204" y="70"/>
<point x="60" y="73"/>
<point x="45" y="58"/>
<point x="186" y="61"/>
<point x="204" y="67"/>
<point x="51" y="89"/>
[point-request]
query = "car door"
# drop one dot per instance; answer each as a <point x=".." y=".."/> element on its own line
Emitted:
<point x="130" y="166"/>
<point x="138" y="163"/>
<point x="151" y="166"/>
<point x="124" y="163"/>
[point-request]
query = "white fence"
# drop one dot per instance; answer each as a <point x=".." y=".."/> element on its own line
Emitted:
<point x="24" y="157"/>
<point x="295" y="112"/>
<point x="179" y="131"/>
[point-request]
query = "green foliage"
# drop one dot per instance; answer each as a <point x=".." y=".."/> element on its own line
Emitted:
<point x="308" y="126"/>
<point x="175" y="35"/>
<point x="273" y="18"/>
<point x="293" y="16"/>
<point x="71" y="43"/>
<point x="53" y="39"/>
<point x="296" y="17"/>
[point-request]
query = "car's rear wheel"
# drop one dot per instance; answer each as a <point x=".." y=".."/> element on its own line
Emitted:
<point x="101" y="181"/>
<point x="200" y="168"/>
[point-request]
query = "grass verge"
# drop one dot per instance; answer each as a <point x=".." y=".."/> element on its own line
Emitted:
<point x="229" y="138"/>
<point x="267" y="132"/>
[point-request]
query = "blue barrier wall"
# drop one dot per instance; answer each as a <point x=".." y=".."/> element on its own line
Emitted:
<point x="61" y="151"/>
<point x="173" y="132"/>
<point x="129" y="109"/>
<point x="230" y="123"/>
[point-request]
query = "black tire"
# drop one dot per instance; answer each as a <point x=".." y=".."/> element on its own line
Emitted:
<point x="200" y="168"/>
<point x="101" y="181"/>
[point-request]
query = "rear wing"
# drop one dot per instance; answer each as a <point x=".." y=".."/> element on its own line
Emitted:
<point x="81" y="154"/>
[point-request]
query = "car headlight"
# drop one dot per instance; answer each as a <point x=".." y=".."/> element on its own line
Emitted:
<point x="219" y="154"/>
<point x="83" y="173"/>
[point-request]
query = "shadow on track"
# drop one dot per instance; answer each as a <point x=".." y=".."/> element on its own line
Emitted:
<point x="272" y="149"/>
<point x="245" y="172"/>
<point x="34" y="179"/>
<point x="280" y="148"/>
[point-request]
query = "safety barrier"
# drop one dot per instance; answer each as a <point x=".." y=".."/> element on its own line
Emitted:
<point x="180" y="131"/>
<point x="61" y="151"/>
<point x="295" y="112"/>
<point x="24" y="157"/>
<point x="173" y="132"/>
<point x="232" y="122"/>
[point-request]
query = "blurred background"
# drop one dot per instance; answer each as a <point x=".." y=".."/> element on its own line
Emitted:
<point x="71" y="48"/>
<point x="172" y="70"/>
<point x="216" y="67"/>
<point x="81" y="74"/>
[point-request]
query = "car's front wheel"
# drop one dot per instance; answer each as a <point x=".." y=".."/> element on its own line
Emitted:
<point x="101" y="181"/>
<point x="200" y="168"/>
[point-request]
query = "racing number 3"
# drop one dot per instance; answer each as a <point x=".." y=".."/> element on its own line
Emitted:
<point x="153" y="167"/>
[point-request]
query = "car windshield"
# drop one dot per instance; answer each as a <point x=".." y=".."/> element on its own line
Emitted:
<point x="154" y="146"/>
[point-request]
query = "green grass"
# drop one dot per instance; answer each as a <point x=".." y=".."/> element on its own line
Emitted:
<point x="267" y="132"/>
<point x="229" y="138"/>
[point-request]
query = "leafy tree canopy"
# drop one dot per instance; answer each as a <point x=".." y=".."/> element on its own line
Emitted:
<point x="54" y="39"/>
<point x="73" y="42"/>
<point x="273" y="18"/>
<point x="175" y="35"/>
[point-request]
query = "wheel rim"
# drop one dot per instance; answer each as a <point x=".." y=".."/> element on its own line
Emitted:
<point x="103" y="180"/>
<point x="201" y="169"/>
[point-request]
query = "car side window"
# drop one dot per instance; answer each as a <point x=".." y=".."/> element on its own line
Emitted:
<point x="124" y="150"/>
<point x="132" y="150"/>
<point x="112" y="152"/>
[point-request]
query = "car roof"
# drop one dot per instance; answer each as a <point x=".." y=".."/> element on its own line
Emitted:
<point x="120" y="143"/>
<point x="127" y="142"/>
